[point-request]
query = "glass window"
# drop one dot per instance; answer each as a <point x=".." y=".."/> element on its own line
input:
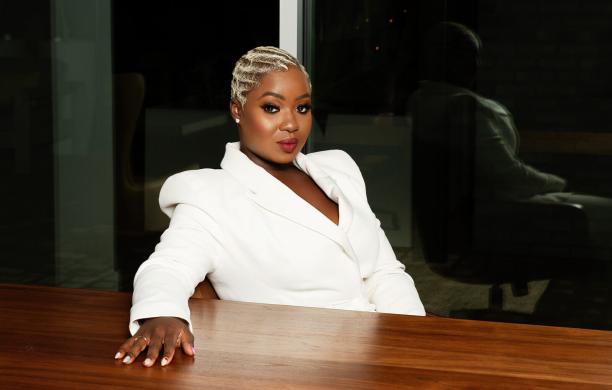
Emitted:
<point x="100" y="101"/>
<point x="479" y="127"/>
<point x="26" y="139"/>
<point x="481" y="132"/>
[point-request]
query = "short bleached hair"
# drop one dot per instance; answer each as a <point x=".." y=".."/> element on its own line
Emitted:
<point x="257" y="63"/>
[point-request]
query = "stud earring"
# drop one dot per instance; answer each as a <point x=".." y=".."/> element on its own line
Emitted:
<point x="237" y="120"/>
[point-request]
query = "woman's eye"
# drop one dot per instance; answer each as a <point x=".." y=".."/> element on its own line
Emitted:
<point x="304" y="108"/>
<point x="270" y="108"/>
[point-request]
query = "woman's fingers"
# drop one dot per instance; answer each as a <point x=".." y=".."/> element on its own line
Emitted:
<point x="187" y="343"/>
<point x="154" y="350"/>
<point x="171" y="341"/>
<point x="123" y="348"/>
<point x="167" y="333"/>
<point x="131" y="348"/>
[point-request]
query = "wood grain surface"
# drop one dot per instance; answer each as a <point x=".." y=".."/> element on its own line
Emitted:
<point x="54" y="338"/>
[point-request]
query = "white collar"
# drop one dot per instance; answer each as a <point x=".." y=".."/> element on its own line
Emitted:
<point x="276" y="197"/>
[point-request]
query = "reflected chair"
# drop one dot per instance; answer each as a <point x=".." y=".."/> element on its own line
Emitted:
<point x="490" y="242"/>
<point x="136" y="240"/>
<point x="139" y="218"/>
<point x="129" y="92"/>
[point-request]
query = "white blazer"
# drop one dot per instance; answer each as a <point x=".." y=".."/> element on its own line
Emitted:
<point x="258" y="241"/>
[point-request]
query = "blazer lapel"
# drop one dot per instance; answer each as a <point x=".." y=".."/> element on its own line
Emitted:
<point x="269" y="193"/>
<point x="353" y="207"/>
<point x="334" y="187"/>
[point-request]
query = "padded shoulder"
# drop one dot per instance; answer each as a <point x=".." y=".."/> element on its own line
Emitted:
<point x="339" y="161"/>
<point x="195" y="187"/>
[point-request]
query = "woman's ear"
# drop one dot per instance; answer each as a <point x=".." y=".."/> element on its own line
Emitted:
<point x="235" y="111"/>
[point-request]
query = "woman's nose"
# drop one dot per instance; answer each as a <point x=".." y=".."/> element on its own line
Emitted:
<point x="289" y="124"/>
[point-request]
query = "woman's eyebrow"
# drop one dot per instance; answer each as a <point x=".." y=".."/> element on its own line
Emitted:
<point x="281" y="97"/>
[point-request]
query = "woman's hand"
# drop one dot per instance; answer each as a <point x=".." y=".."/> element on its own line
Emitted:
<point x="155" y="333"/>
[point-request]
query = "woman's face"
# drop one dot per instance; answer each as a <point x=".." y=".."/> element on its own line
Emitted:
<point x="276" y="119"/>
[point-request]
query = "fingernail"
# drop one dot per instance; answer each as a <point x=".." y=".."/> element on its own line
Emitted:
<point x="148" y="362"/>
<point x="193" y="349"/>
<point x="126" y="359"/>
<point x="117" y="355"/>
<point x="164" y="361"/>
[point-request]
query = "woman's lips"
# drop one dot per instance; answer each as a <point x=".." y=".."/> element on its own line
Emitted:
<point x="288" y="145"/>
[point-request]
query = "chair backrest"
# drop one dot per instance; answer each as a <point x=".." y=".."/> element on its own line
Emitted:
<point x="443" y="177"/>
<point x="205" y="290"/>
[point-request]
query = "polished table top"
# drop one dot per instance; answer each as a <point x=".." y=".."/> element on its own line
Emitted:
<point x="55" y="338"/>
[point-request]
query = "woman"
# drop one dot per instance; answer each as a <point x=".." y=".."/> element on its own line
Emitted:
<point x="272" y="225"/>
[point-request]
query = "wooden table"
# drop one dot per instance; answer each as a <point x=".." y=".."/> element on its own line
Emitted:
<point x="54" y="338"/>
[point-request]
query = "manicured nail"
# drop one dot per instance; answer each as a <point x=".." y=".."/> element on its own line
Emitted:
<point x="117" y="355"/>
<point x="164" y="361"/>
<point x="127" y="359"/>
<point x="193" y="349"/>
<point x="148" y="362"/>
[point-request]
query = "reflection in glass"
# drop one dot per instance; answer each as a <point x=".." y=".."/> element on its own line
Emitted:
<point x="507" y="225"/>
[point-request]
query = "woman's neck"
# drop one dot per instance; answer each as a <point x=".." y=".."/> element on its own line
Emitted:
<point x="271" y="167"/>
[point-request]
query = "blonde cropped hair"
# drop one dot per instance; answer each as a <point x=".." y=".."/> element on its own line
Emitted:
<point x="255" y="64"/>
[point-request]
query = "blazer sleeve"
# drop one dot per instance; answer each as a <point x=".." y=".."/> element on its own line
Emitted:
<point x="388" y="287"/>
<point x="185" y="254"/>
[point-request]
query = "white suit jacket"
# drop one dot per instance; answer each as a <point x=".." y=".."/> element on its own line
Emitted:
<point x="258" y="241"/>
